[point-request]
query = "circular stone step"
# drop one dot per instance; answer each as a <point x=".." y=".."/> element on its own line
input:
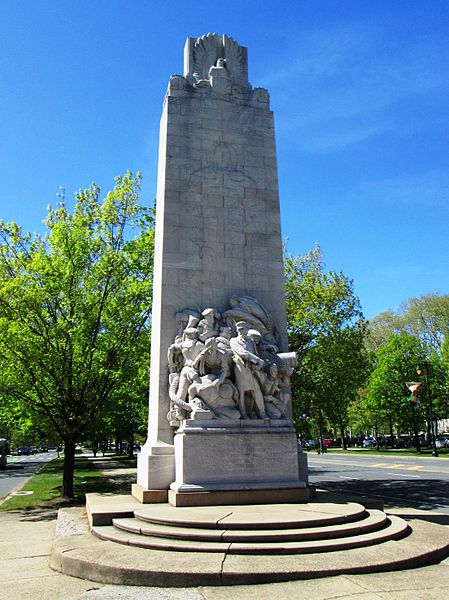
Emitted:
<point x="396" y="528"/>
<point x="264" y="516"/>
<point x="375" y="519"/>
<point x="81" y="554"/>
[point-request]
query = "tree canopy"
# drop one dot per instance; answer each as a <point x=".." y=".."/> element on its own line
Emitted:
<point x="387" y="396"/>
<point x="74" y="310"/>
<point x="326" y="330"/>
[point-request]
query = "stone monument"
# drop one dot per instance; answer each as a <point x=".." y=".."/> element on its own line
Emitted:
<point x="220" y="404"/>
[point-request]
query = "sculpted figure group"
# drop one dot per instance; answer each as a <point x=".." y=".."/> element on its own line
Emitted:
<point x="228" y="365"/>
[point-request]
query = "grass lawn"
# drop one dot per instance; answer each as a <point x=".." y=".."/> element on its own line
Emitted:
<point x="46" y="486"/>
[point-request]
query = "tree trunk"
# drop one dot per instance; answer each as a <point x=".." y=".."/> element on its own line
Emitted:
<point x="343" y="438"/>
<point x="131" y="445"/>
<point x="320" y="424"/>
<point x="376" y="437"/>
<point x="69" y="467"/>
<point x="390" y="421"/>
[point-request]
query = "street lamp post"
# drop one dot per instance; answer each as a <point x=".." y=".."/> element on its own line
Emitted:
<point x="424" y="366"/>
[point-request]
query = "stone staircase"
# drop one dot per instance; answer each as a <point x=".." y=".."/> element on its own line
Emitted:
<point x="125" y="542"/>
<point x="255" y="530"/>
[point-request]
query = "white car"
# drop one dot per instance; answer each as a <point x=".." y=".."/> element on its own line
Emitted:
<point x="369" y="443"/>
<point x="442" y="441"/>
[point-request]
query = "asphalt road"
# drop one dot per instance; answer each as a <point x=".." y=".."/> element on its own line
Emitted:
<point x="398" y="480"/>
<point x="19" y="469"/>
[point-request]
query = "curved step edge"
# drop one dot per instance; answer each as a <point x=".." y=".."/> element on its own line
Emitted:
<point x="313" y="516"/>
<point x="374" y="521"/>
<point x="112" y="534"/>
<point x="396" y="529"/>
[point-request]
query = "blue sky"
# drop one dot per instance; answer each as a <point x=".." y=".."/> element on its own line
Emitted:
<point x="360" y="91"/>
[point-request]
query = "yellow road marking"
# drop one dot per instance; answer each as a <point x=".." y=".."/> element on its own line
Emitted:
<point x="422" y="469"/>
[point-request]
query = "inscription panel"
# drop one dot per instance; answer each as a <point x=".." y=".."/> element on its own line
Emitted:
<point x="218" y="459"/>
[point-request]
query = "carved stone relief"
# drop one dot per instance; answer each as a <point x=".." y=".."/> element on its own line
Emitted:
<point x="217" y="65"/>
<point x="225" y="160"/>
<point x="227" y="365"/>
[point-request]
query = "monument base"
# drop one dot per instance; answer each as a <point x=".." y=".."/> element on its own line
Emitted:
<point x="238" y="457"/>
<point x="239" y="497"/>
<point x="148" y="496"/>
<point x="155" y="467"/>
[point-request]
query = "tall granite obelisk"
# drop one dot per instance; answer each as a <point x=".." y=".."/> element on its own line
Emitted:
<point x="219" y="362"/>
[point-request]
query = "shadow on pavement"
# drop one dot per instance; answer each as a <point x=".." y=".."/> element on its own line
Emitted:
<point x="438" y="519"/>
<point x="319" y="471"/>
<point x="39" y="514"/>
<point x="425" y="494"/>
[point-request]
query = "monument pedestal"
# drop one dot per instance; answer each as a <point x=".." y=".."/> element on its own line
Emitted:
<point x="240" y="497"/>
<point x="155" y="472"/>
<point x="240" y="461"/>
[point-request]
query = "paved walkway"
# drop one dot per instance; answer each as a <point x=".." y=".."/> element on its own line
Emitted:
<point x="25" y="544"/>
<point x="26" y="540"/>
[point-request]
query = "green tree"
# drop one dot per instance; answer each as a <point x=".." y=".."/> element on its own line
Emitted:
<point x="74" y="307"/>
<point x="326" y="330"/>
<point x="426" y="317"/>
<point x="381" y="327"/>
<point x="361" y="417"/>
<point x="386" y="393"/>
<point x="125" y="415"/>
<point x="343" y="363"/>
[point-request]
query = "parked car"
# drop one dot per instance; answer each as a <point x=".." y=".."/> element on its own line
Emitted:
<point x="442" y="441"/>
<point x="404" y="441"/>
<point x="309" y="444"/>
<point x="369" y="443"/>
<point x="24" y="451"/>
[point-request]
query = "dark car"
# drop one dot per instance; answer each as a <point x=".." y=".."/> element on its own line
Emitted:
<point x="403" y="441"/>
<point x="24" y="451"/>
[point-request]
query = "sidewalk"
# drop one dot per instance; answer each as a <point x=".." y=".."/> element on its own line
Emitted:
<point x="26" y="540"/>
